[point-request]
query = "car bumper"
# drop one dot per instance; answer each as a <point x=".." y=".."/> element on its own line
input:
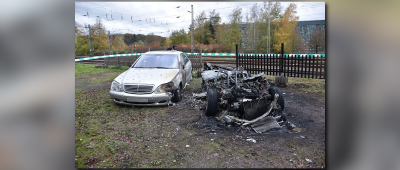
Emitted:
<point x="153" y="99"/>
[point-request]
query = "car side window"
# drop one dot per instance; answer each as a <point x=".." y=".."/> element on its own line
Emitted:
<point x="185" y="58"/>
<point x="182" y="60"/>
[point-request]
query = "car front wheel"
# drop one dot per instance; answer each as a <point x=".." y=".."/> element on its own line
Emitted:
<point x="177" y="96"/>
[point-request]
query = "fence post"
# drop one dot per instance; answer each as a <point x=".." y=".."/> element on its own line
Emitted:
<point x="117" y="66"/>
<point x="237" y="63"/>
<point x="281" y="79"/>
<point x="201" y="60"/>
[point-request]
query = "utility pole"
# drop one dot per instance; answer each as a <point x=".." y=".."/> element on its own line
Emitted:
<point x="90" y="42"/>
<point x="192" y="31"/>
<point x="269" y="36"/>
<point x="109" y="42"/>
<point x="254" y="34"/>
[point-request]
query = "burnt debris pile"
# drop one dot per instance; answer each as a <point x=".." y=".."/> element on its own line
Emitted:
<point x="234" y="96"/>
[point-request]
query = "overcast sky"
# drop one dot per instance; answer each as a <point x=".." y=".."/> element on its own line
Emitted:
<point x="161" y="18"/>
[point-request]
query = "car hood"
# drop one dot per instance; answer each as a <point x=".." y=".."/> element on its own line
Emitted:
<point x="154" y="76"/>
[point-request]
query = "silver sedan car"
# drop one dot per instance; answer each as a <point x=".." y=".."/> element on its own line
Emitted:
<point x="155" y="79"/>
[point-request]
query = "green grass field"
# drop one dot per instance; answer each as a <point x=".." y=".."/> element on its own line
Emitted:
<point x="82" y="69"/>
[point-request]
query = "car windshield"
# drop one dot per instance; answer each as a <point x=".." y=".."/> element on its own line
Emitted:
<point x="169" y="61"/>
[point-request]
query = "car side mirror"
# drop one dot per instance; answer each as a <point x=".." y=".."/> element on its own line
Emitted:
<point x="183" y="66"/>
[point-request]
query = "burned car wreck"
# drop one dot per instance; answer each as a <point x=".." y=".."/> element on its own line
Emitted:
<point x="233" y="96"/>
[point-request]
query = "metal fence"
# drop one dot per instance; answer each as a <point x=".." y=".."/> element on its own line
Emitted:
<point x="290" y="65"/>
<point x="121" y="61"/>
<point x="196" y="61"/>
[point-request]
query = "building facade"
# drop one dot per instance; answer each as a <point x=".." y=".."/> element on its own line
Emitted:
<point x="306" y="28"/>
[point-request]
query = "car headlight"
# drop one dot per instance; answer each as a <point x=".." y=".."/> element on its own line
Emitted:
<point x="115" y="86"/>
<point x="166" y="87"/>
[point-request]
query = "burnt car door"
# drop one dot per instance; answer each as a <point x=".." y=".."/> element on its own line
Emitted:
<point x="183" y="69"/>
<point x="187" y="68"/>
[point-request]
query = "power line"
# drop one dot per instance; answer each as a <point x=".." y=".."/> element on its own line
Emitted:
<point x="159" y="12"/>
<point x="160" y="23"/>
<point x="130" y="10"/>
<point x="96" y="7"/>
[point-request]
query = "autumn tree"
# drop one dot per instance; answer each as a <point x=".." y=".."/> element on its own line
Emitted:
<point x="214" y="21"/>
<point x="179" y="37"/>
<point x="255" y="37"/>
<point x="270" y="12"/>
<point x="81" y="40"/>
<point x="78" y="29"/>
<point x="130" y="39"/>
<point x="99" y="36"/>
<point x="163" y="42"/>
<point x="118" y="42"/>
<point x="286" y="32"/>
<point x="168" y="42"/>
<point x="199" y="28"/>
<point x="140" y="43"/>
<point x="205" y="27"/>
<point x="317" y="40"/>
<point x="229" y="34"/>
<point x="252" y="18"/>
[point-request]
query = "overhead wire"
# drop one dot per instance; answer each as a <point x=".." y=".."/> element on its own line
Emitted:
<point x="96" y="7"/>
<point x="160" y="23"/>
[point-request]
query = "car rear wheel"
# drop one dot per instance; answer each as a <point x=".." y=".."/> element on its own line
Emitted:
<point x="212" y="102"/>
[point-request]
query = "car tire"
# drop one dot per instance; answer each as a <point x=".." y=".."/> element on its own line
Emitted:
<point x="281" y="101"/>
<point x="212" y="102"/>
<point x="177" y="95"/>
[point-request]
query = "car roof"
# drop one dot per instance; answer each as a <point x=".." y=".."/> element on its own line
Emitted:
<point x="164" y="52"/>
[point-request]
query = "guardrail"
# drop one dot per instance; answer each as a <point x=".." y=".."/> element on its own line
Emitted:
<point x="107" y="56"/>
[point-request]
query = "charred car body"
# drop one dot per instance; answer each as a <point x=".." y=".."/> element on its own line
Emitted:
<point x="234" y="96"/>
